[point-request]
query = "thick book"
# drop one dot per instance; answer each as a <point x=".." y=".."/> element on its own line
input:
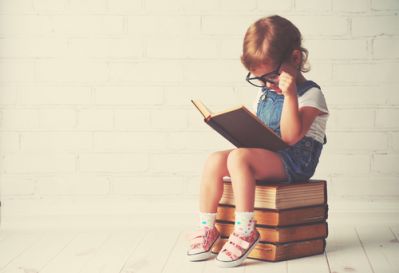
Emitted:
<point x="273" y="252"/>
<point x="281" y="234"/>
<point x="275" y="218"/>
<point x="241" y="127"/>
<point x="278" y="195"/>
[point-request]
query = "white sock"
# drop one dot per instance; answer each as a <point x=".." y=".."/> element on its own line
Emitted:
<point x="243" y="224"/>
<point x="207" y="219"/>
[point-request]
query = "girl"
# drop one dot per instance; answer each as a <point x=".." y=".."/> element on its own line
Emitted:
<point x="294" y="108"/>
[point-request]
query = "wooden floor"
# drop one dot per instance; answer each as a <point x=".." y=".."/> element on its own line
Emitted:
<point x="364" y="249"/>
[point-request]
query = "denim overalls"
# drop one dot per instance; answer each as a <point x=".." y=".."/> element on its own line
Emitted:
<point x="300" y="160"/>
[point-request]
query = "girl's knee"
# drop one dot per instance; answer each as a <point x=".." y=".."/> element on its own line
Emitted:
<point x="238" y="157"/>
<point x="217" y="158"/>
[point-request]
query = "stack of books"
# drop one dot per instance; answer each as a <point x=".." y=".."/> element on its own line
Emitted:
<point x="291" y="219"/>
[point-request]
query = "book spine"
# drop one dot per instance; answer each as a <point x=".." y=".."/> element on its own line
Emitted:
<point x="218" y="129"/>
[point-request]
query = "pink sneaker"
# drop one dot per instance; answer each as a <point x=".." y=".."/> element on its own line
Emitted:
<point x="237" y="248"/>
<point x="201" y="243"/>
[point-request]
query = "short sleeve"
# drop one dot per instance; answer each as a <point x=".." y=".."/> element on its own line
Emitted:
<point x="315" y="98"/>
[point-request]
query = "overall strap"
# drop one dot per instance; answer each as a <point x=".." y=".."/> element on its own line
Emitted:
<point x="302" y="88"/>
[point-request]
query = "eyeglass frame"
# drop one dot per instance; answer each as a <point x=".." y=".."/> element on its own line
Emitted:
<point x="262" y="79"/>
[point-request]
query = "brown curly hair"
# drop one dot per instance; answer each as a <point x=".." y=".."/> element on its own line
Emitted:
<point x="270" y="40"/>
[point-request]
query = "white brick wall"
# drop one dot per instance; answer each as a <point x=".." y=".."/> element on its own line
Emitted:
<point x="95" y="110"/>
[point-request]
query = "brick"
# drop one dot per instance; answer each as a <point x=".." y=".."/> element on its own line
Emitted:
<point x="129" y="142"/>
<point x="57" y="119"/>
<point x="319" y="71"/>
<point x="16" y="7"/>
<point x="50" y="6"/>
<point x="113" y="163"/>
<point x="313" y="5"/>
<point x="17" y="71"/>
<point x="169" y="119"/>
<point x="155" y="185"/>
<point x="143" y="72"/>
<point x="237" y="5"/>
<point x="226" y="24"/>
<point x="82" y="71"/>
<point x="177" y="163"/>
<point x="362" y="142"/>
<point x="125" y="6"/>
<point x="386" y="48"/>
<point x="183" y="48"/>
<point x="387" y="118"/>
<point x="320" y="25"/>
<point x="385" y="163"/>
<point x="375" y="25"/>
<point x="395" y="141"/>
<point x="195" y="141"/>
<point x="220" y="97"/>
<point x="72" y="185"/>
<point x="38" y="47"/>
<point x="25" y="26"/>
<point x="385" y="4"/>
<point x="88" y="25"/>
<point x="53" y="95"/>
<point x="337" y="49"/>
<point x="231" y="49"/>
<point x="352" y="95"/>
<point x="17" y="185"/>
<point x="336" y="164"/>
<point x="87" y="6"/>
<point x="9" y="94"/>
<point x="95" y="119"/>
<point x="370" y="186"/>
<point x="61" y="142"/>
<point x="105" y="48"/>
<point x="9" y="142"/>
<point x="214" y="71"/>
<point x="351" y="119"/>
<point x="351" y="5"/>
<point x="268" y="5"/>
<point x="370" y="73"/>
<point x="128" y="95"/>
<point x="172" y="6"/>
<point x="19" y="119"/>
<point x="38" y="163"/>
<point x="163" y="26"/>
<point x="132" y="119"/>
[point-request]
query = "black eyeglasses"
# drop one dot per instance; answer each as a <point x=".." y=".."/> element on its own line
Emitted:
<point x="262" y="80"/>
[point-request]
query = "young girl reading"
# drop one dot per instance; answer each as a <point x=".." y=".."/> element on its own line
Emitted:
<point x="294" y="108"/>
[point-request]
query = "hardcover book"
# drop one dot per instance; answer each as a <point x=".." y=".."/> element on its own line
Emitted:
<point x="242" y="128"/>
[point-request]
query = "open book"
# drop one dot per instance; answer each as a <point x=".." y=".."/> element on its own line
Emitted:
<point x="242" y="128"/>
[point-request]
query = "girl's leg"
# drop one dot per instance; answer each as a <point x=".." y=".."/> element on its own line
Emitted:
<point x="245" y="166"/>
<point x="211" y="188"/>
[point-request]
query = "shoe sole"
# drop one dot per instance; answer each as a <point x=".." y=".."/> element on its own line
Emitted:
<point x="240" y="260"/>
<point x="203" y="255"/>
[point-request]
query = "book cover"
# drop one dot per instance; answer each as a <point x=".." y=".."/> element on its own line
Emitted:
<point x="241" y="127"/>
<point x="282" y="217"/>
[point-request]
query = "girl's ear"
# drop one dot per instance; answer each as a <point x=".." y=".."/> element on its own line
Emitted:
<point x="296" y="57"/>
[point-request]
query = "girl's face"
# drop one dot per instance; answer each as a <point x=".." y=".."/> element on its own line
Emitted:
<point x="275" y="69"/>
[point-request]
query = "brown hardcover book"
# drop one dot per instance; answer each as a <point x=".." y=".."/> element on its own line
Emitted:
<point x="241" y="127"/>
<point x="281" y="234"/>
<point x="277" y="195"/>
<point x="284" y="217"/>
<point x="280" y="252"/>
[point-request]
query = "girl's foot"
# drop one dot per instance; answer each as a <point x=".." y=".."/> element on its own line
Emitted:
<point x="201" y="243"/>
<point x="237" y="248"/>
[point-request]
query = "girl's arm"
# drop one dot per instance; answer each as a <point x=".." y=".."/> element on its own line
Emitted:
<point x="295" y="122"/>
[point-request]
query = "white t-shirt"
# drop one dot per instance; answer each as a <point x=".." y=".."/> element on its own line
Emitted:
<point x="313" y="97"/>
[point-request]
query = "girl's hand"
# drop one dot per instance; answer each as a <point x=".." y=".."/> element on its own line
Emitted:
<point x="286" y="83"/>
